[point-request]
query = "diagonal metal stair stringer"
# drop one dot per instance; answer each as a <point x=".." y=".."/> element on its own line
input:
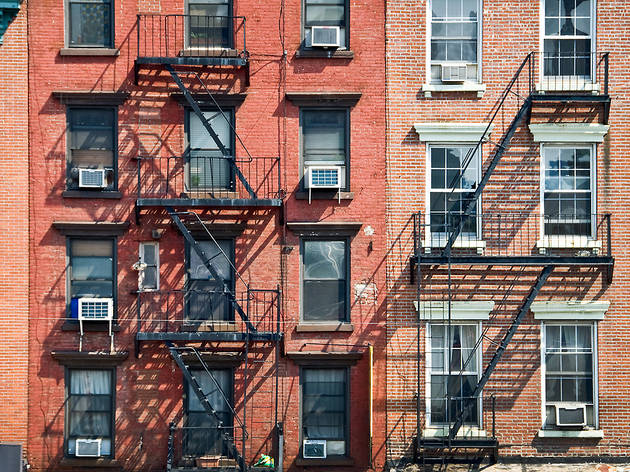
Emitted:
<point x="205" y="403"/>
<point x="542" y="278"/>
<point x="207" y="262"/>
<point x="195" y="106"/>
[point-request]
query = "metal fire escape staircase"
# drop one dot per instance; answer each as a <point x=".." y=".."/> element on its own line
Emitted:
<point x="228" y="439"/>
<point x="525" y="96"/>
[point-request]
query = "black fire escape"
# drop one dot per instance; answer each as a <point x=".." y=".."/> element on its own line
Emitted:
<point x="508" y="240"/>
<point x="186" y="46"/>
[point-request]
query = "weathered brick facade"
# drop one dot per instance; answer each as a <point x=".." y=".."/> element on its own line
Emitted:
<point x="14" y="200"/>
<point x="149" y="388"/>
<point x="510" y="30"/>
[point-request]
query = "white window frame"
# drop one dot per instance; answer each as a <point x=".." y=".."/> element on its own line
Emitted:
<point x="428" y="372"/>
<point x="543" y="369"/>
<point x="468" y="85"/>
<point x="578" y="84"/>
<point x="584" y="241"/>
<point x="439" y="239"/>
<point x="141" y="247"/>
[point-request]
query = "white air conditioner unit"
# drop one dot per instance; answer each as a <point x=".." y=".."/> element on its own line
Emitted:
<point x="570" y="414"/>
<point x="454" y="72"/>
<point x="324" y="177"/>
<point x="92" y="178"/>
<point x="325" y="36"/>
<point x="87" y="448"/>
<point x="96" y="309"/>
<point x="314" y="449"/>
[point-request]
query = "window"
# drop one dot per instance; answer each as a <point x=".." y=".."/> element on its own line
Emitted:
<point x="149" y="273"/>
<point x="569" y="368"/>
<point x="325" y="138"/>
<point x="208" y="169"/>
<point x="568" y="38"/>
<point x="325" y="408"/>
<point x="90" y="408"/>
<point x="210" y="24"/>
<point x="326" y="13"/>
<point x="568" y="190"/>
<point x="452" y="350"/>
<point x="325" y="280"/>
<point x="92" y="270"/>
<point x="205" y="297"/>
<point x="450" y="194"/>
<point x="202" y="435"/>
<point x="455" y="28"/>
<point x="90" y="23"/>
<point x="92" y="143"/>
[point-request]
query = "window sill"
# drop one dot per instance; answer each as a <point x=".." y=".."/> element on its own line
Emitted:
<point x="568" y="242"/>
<point x="428" y="89"/>
<point x="90" y="462"/>
<point x="306" y="327"/>
<point x="89" y="194"/>
<point x="329" y="461"/>
<point x="325" y="195"/>
<point x="438" y="242"/>
<point x="464" y="432"/>
<point x="89" y="52"/>
<point x="324" y="54"/>
<point x="92" y="326"/>
<point x="571" y="434"/>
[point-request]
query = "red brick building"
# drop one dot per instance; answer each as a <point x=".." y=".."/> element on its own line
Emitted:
<point x="207" y="275"/>
<point x="506" y="147"/>
<point x="14" y="199"/>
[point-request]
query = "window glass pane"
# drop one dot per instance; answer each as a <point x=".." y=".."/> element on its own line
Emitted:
<point x="92" y="248"/>
<point x="149" y="254"/>
<point x="199" y="138"/>
<point x="90" y="24"/>
<point x="215" y="392"/>
<point x="568" y="341"/>
<point x="584" y="338"/>
<point x="324" y="300"/>
<point x="90" y="382"/>
<point x="90" y="268"/>
<point x="325" y="15"/>
<point x="324" y="135"/>
<point x="324" y="260"/>
<point x="324" y="404"/>
<point x="92" y="289"/>
<point x="149" y="280"/>
<point x="439" y="8"/>
<point x="199" y="271"/>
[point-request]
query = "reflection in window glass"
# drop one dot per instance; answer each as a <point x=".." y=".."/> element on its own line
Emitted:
<point x="324" y="280"/>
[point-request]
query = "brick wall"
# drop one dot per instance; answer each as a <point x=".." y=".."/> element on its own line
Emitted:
<point x="14" y="200"/>
<point x="510" y="31"/>
<point x="149" y="388"/>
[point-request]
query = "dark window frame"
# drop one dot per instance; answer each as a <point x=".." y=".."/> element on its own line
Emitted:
<point x="69" y="131"/>
<point x="232" y="147"/>
<point x="230" y="4"/>
<point x="68" y="29"/>
<point x="346" y="241"/>
<point x="187" y="251"/>
<point x="230" y="395"/>
<point x="346" y="187"/>
<point x="346" y="369"/>
<point x="114" y="241"/>
<point x="66" y="429"/>
<point x="303" y="26"/>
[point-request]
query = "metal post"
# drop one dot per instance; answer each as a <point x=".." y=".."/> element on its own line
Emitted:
<point x="171" y="452"/>
<point x="493" y="398"/>
<point x="606" y="73"/>
<point x="138" y="34"/>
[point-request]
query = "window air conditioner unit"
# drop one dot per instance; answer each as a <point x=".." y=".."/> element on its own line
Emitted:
<point x="88" y="448"/>
<point x="314" y="449"/>
<point x="325" y="36"/>
<point x="96" y="309"/>
<point x="92" y="178"/>
<point x="570" y="414"/>
<point x="324" y="177"/>
<point x="454" y="72"/>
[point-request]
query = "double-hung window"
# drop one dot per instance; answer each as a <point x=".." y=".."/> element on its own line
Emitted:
<point x="149" y="270"/>
<point x="326" y="13"/>
<point x="568" y="38"/>
<point x="206" y="300"/>
<point x="455" y="171"/>
<point x="209" y="24"/>
<point x="202" y="434"/>
<point x="325" y="408"/>
<point x="325" y="280"/>
<point x="91" y="271"/>
<point x="569" y="371"/>
<point x="452" y="352"/>
<point x="568" y="190"/>
<point x="90" y="23"/>
<point x="209" y="169"/>
<point x="455" y="31"/>
<point x="92" y="144"/>
<point x="90" y="410"/>
<point x="325" y="140"/>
